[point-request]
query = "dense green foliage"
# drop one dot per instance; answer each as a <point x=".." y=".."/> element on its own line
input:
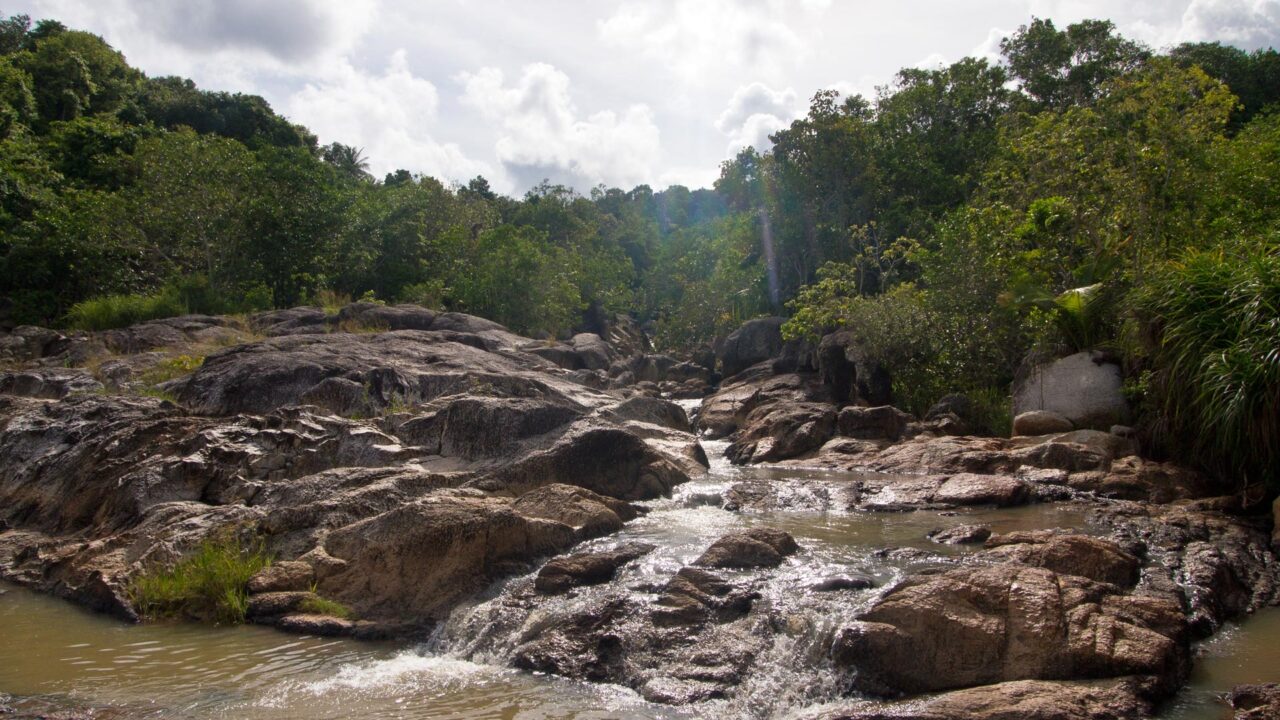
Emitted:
<point x="208" y="584"/>
<point x="963" y="218"/>
<point x="1210" y="325"/>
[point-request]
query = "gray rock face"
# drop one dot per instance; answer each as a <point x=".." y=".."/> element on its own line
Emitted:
<point x="754" y="342"/>
<point x="1084" y="388"/>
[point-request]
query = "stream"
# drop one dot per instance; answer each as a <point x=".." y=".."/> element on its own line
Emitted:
<point x="53" y="649"/>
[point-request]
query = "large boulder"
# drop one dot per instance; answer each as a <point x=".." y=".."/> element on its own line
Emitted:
<point x="756" y="341"/>
<point x="586" y="568"/>
<point x="1081" y="555"/>
<point x="590" y="515"/>
<point x="1015" y="700"/>
<point x="414" y="563"/>
<point x="1041" y="422"/>
<point x="977" y="626"/>
<point x="851" y="375"/>
<point x="758" y="547"/>
<point x="1085" y="388"/>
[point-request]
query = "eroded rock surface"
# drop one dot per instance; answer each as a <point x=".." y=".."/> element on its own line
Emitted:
<point x="395" y="459"/>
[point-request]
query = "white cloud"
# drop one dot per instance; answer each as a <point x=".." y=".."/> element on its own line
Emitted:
<point x="699" y="39"/>
<point x="542" y="134"/>
<point x="1249" y="24"/>
<point x="387" y="114"/>
<point x="755" y="112"/>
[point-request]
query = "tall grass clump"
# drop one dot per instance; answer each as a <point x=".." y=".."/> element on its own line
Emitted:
<point x="182" y="296"/>
<point x="1209" y="325"/>
<point x="208" y="584"/>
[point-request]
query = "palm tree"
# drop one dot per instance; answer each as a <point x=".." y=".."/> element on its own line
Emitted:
<point x="349" y="160"/>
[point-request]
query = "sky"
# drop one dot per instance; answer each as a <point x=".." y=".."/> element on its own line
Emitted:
<point x="584" y="92"/>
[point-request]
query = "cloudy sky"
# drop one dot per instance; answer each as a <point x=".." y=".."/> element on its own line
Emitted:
<point x="619" y="92"/>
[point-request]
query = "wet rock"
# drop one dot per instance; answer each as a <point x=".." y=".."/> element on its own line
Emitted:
<point x="870" y="423"/>
<point x="606" y="460"/>
<point x="781" y="431"/>
<point x="695" y="596"/>
<point x="282" y="576"/>
<point x="48" y="383"/>
<point x="757" y="547"/>
<point x="961" y="535"/>
<point x="1255" y="702"/>
<point x="1081" y="555"/>
<point x="589" y="514"/>
<point x="589" y="568"/>
<point x="754" y="342"/>
<point x="1041" y="422"/>
<point x="975" y="489"/>
<point x="727" y="410"/>
<point x="1016" y="700"/>
<point x="656" y="411"/>
<point x="971" y="627"/>
<point x="416" y="561"/>
<point x="318" y="625"/>
<point x="1134" y="478"/>
<point x="843" y="582"/>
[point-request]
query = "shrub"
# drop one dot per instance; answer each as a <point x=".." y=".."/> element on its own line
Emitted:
<point x="1209" y="327"/>
<point x="182" y="296"/>
<point x="208" y="584"/>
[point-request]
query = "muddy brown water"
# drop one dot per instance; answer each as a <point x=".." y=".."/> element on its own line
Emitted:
<point x="53" y="649"/>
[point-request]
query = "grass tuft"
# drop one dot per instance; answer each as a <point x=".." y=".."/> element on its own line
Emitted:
<point x="207" y="585"/>
<point x="325" y="606"/>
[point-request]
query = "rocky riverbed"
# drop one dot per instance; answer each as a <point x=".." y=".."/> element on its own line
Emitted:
<point x="543" y="506"/>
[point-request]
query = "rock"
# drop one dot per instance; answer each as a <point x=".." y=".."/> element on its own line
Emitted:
<point x="975" y="489"/>
<point x="884" y="422"/>
<point x="269" y="605"/>
<point x="954" y="404"/>
<point x="590" y="515"/>
<point x="416" y="561"/>
<point x="843" y="582"/>
<point x="652" y="410"/>
<point x="961" y="535"/>
<point x="1085" y="388"/>
<point x="844" y="367"/>
<point x="1016" y="700"/>
<point x="604" y="459"/>
<point x="282" y="576"/>
<point x="1041" y="422"/>
<point x="318" y="625"/>
<point x="758" y="547"/>
<point x="590" y="568"/>
<point x="376" y="316"/>
<point x="1275" y="525"/>
<point x="978" y="626"/>
<point x="1081" y="555"/>
<point x="48" y="383"/>
<point x="780" y="431"/>
<point x="695" y="595"/>
<point x="754" y="342"/>
<point x="1256" y="702"/>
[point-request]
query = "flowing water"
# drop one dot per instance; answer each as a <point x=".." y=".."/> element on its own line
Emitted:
<point x="52" y="649"/>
